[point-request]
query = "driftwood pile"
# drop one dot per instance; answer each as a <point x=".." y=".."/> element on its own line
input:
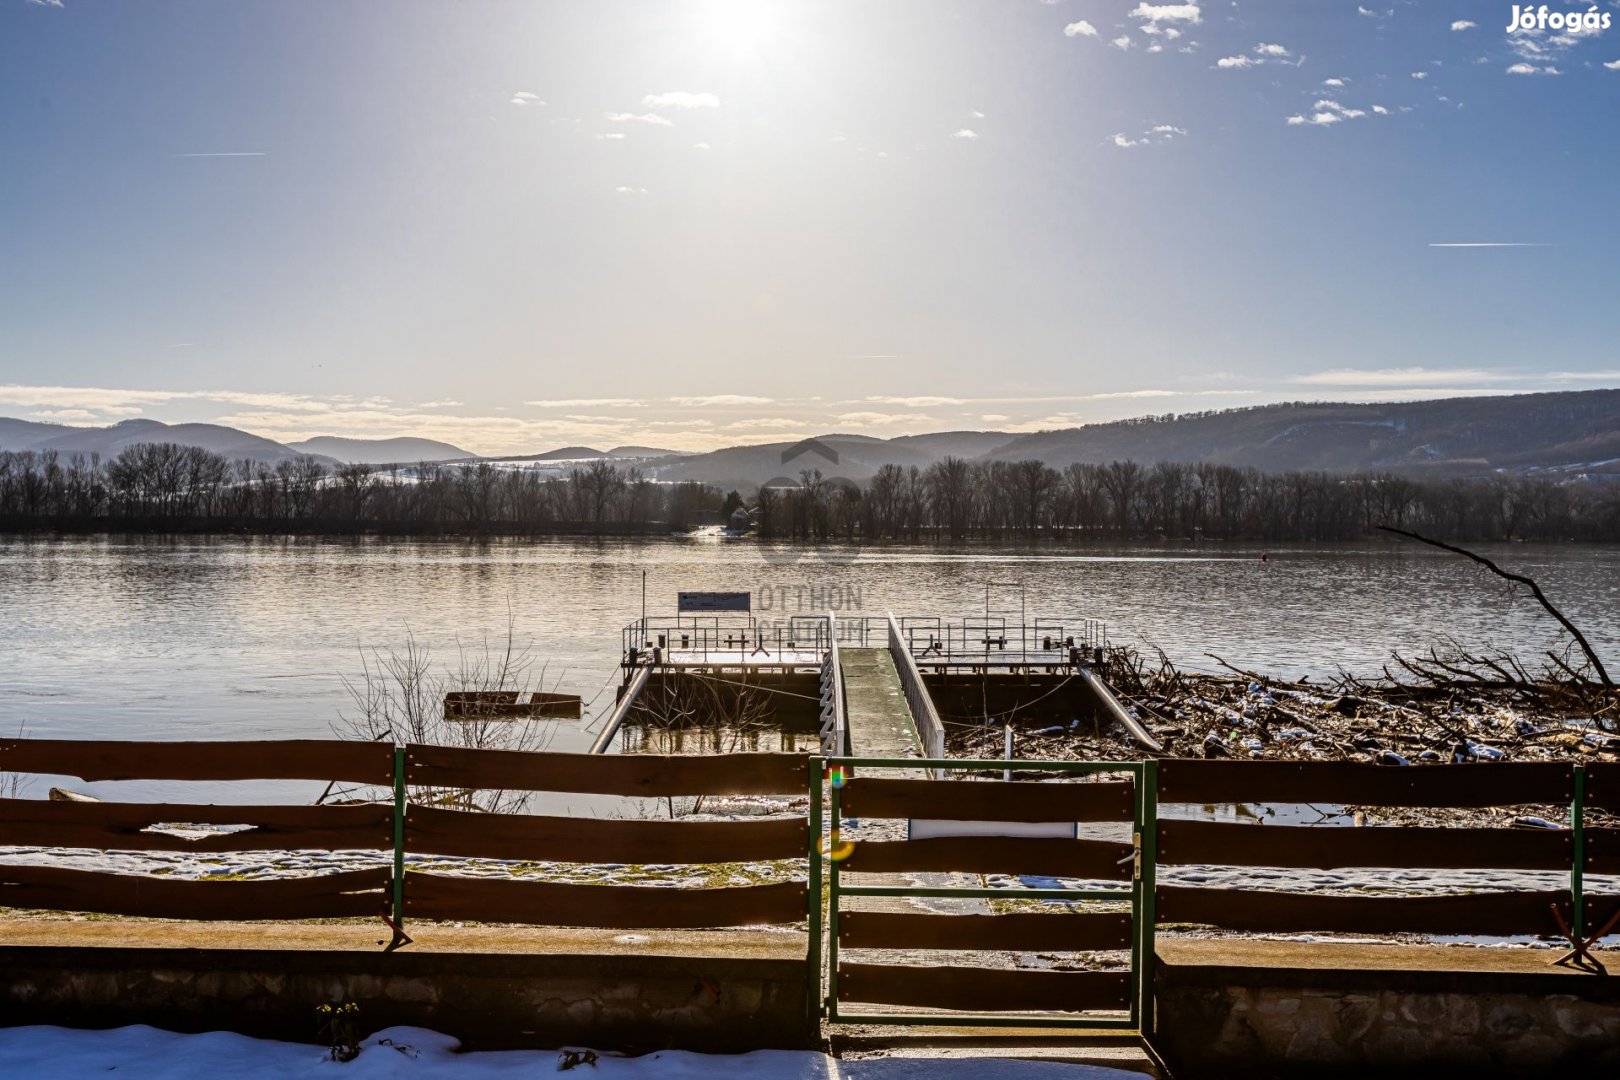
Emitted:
<point x="1445" y="707"/>
<point x="1448" y="705"/>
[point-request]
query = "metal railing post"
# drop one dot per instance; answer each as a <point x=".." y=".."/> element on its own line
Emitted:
<point x="815" y="1006"/>
<point x="1577" y="866"/>
<point x="399" y="840"/>
<point x="836" y="811"/>
<point x="1147" y="913"/>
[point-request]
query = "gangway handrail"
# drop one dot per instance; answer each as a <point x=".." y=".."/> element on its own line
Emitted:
<point x="621" y="709"/>
<point x="834" y="717"/>
<point x="929" y="727"/>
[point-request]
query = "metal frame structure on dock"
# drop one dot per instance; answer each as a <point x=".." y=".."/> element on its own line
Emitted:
<point x="917" y="646"/>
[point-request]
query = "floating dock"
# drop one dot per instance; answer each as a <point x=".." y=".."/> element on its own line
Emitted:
<point x="873" y="681"/>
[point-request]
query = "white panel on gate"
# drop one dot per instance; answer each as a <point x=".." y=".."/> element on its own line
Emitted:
<point x="930" y="828"/>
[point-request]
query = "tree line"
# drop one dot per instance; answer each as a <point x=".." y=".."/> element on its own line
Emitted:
<point x="170" y="487"/>
<point x="167" y="486"/>
<point x="959" y="500"/>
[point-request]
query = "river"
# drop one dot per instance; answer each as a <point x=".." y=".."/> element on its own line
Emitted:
<point x="249" y="637"/>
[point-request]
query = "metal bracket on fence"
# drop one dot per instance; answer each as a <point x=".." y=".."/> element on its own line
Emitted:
<point x="400" y="939"/>
<point x="1580" y="955"/>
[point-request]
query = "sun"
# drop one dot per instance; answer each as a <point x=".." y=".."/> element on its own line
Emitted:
<point x="742" y="27"/>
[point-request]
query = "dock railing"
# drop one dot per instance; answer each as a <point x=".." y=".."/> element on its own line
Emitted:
<point x="725" y="639"/>
<point x="993" y="641"/>
<point x="834" y="717"/>
<point x="929" y="727"/>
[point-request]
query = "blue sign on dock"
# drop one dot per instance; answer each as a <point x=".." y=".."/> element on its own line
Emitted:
<point x="715" y="601"/>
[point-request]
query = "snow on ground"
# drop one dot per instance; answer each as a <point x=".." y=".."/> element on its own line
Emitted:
<point x="32" y="1053"/>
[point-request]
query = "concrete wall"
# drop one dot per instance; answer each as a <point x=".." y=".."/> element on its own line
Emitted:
<point x="1252" y="1021"/>
<point x="487" y="1000"/>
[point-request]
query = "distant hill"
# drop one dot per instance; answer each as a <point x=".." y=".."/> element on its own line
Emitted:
<point x="403" y="450"/>
<point x="563" y="453"/>
<point x="1458" y="436"/>
<point x="857" y="457"/>
<point x="643" y="452"/>
<point x="110" y="441"/>
<point x="962" y="444"/>
<point x="27" y="434"/>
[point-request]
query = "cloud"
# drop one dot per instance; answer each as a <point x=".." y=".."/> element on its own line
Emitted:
<point x="1613" y="65"/>
<point x="46" y="3"/>
<point x="1371" y="14"/>
<point x="523" y="97"/>
<point x="1159" y="133"/>
<point x="1158" y="13"/>
<point x="587" y="403"/>
<point x="701" y="146"/>
<point x="681" y="99"/>
<point x="1531" y="69"/>
<point x="129" y="402"/>
<point x="1380" y="110"/>
<point x="923" y="402"/>
<point x="1122" y="43"/>
<point x="1420" y="74"/>
<point x="994" y="417"/>
<point x="610" y="135"/>
<point x="720" y="399"/>
<point x="641" y="118"/>
<point x="1463" y="24"/>
<point x="1486" y="244"/>
<point x="1080" y="29"/>
<point x="445" y="404"/>
<point x="1263" y="54"/>
<point x="1414" y="376"/>
<point x="1337" y="83"/>
<point x="877" y="419"/>
<point x="975" y="114"/>
<point x="965" y="133"/>
<point x="1327" y="112"/>
<point x="624" y="189"/>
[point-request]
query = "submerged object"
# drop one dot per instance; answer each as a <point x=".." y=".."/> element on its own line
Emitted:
<point x="509" y="705"/>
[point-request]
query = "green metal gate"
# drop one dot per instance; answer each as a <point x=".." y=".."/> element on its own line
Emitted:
<point x="1107" y="1001"/>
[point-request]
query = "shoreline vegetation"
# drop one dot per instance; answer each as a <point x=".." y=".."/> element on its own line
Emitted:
<point x="167" y="488"/>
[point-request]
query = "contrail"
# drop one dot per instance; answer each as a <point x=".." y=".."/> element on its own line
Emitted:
<point x="234" y="153"/>
<point x="1487" y="244"/>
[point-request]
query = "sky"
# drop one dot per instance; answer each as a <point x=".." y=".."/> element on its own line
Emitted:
<point x="515" y="226"/>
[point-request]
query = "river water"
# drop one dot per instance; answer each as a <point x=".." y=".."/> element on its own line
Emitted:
<point x="242" y="638"/>
<point x="228" y="637"/>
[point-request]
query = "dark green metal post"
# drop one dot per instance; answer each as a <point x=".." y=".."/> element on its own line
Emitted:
<point x="816" y="1004"/>
<point x="1577" y="866"/>
<point x="832" y="905"/>
<point x="1146" y="913"/>
<point x="399" y="838"/>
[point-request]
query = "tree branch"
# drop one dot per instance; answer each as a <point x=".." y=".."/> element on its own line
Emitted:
<point x="1541" y="598"/>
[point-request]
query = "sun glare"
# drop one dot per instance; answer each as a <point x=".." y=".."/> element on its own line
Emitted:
<point x="742" y="27"/>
